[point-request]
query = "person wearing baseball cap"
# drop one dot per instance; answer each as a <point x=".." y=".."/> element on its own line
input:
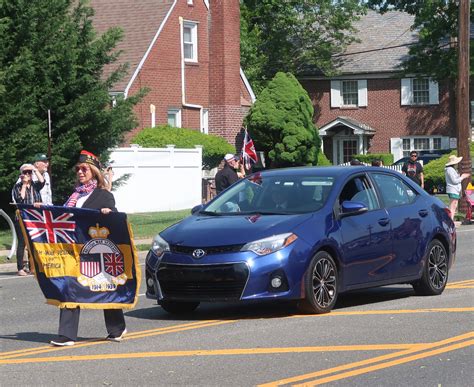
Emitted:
<point x="453" y="182"/>
<point x="227" y="175"/>
<point x="90" y="192"/>
<point x="41" y="162"/>
<point x="26" y="191"/>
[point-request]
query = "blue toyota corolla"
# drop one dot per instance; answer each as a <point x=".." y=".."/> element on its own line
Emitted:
<point x="305" y="234"/>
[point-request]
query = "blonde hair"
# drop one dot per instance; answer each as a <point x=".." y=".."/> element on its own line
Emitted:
<point x="96" y="174"/>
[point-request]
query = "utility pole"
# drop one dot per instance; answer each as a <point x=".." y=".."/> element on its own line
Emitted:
<point x="462" y="94"/>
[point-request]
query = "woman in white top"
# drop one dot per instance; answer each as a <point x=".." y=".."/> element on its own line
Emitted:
<point x="453" y="182"/>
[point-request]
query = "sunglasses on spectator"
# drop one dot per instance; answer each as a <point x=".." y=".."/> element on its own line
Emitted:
<point x="413" y="155"/>
<point x="82" y="169"/>
<point x="27" y="172"/>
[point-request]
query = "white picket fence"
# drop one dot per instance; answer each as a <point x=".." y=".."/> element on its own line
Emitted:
<point x="159" y="179"/>
<point x="397" y="168"/>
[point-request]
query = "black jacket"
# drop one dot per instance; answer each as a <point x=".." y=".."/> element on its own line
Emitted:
<point x="100" y="198"/>
<point x="225" y="178"/>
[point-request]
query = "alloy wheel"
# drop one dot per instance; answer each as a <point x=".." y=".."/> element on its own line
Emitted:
<point x="437" y="267"/>
<point x="324" y="282"/>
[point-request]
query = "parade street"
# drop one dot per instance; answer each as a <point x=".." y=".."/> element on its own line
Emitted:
<point x="378" y="337"/>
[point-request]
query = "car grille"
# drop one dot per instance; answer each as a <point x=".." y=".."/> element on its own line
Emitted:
<point x="209" y="250"/>
<point x="224" y="282"/>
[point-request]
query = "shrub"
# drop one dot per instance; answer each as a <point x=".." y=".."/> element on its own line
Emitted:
<point x="214" y="147"/>
<point x="281" y="123"/>
<point x="387" y="158"/>
<point x="323" y="160"/>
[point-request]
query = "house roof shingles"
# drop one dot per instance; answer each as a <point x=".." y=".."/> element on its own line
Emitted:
<point x="384" y="43"/>
<point x="139" y="21"/>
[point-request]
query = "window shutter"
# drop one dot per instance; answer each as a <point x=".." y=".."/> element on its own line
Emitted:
<point x="362" y="86"/>
<point x="335" y="94"/>
<point x="406" y="92"/>
<point x="396" y="148"/>
<point x="434" y="93"/>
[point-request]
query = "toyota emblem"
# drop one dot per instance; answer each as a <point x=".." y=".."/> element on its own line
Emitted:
<point x="199" y="253"/>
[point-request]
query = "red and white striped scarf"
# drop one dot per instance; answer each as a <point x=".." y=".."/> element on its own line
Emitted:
<point x="81" y="191"/>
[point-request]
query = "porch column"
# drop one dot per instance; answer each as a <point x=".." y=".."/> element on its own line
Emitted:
<point x="361" y="144"/>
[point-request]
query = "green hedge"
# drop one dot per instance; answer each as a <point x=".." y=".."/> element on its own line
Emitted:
<point x="214" y="147"/>
<point x="387" y="158"/>
<point x="322" y="160"/>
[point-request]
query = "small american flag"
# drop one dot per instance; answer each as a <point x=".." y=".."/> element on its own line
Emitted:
<point x="90" y="265"/>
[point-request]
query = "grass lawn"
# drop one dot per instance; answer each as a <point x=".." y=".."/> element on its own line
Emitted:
<point x="144" y="225"/>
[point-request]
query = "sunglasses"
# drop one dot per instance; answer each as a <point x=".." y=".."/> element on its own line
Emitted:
<point x="413" y="155"/>
<point x="27" y="172"/>
<point x="82" y="169"/>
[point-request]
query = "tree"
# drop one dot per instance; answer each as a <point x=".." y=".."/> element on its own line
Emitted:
<point x="281" y="123"/>
<point x="294" y="35"/>
<point x="434" y="54"/>
<point x="51" y="58"/>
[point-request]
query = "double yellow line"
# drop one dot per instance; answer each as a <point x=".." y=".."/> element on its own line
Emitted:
<point x="468" y="284"/>
<point x="377" y="363"/>
<point x="5" y="356"/>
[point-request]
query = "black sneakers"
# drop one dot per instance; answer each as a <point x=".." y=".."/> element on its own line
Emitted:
<point x="62" y="341"/>
<point x="117" y="338"/>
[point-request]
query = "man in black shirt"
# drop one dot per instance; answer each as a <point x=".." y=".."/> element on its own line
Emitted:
<point x="227" y="175"/>
<point x="414" y="170"/>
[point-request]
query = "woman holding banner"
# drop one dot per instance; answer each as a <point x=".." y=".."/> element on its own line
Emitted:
<point x="90" y="192"/>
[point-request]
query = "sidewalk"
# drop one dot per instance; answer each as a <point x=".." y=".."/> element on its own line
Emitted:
<point x="10" y="266"/>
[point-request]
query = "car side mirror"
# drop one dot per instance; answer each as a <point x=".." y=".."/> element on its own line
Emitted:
<point x="353" y="208"/>
<point x="196" y="209"/>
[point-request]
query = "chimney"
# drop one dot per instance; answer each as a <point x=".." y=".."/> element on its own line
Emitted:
<point x="225" y="111"/>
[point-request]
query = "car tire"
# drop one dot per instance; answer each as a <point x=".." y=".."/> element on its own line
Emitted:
<point x="435" y="272"/>
<point x="179" y="307"/>
<point x="320" y="285"/>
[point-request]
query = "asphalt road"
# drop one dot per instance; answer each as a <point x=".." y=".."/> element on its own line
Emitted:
<point x="380" y="337"/>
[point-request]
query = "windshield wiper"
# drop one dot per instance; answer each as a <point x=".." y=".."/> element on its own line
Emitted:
<point x="263" y="213"/>
<point x="210" y="213"/>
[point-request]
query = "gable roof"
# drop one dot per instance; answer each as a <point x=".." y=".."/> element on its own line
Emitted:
<point x="384" y="43"/>
<point x="357" y="126"/>
<point x="140" y="22"/>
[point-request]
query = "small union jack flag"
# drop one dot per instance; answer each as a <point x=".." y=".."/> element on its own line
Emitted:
<point x="113" y="264"/>
<point x="249" y="154"/>
<point x="44" y="227"/>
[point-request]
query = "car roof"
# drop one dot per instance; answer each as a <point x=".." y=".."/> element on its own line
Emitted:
<point x="317" y="171"/>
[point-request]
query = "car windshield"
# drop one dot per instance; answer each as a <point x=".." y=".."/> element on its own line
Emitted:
<point x="273" y="195"/>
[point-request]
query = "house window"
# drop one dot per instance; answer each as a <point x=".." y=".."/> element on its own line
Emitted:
<point x="349" y="93"/>
<point x="174" y="118"/>
<point x="422" y="91"/>
<point x="421" y="143"/>
<point x="190" y="41"/>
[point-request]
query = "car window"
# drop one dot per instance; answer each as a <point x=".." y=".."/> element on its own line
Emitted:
<point x="394" y="191"/>
<point x="274" y="194"/>
<point x="359" y="189"/>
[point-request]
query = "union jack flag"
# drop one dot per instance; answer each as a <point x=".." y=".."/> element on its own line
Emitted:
<point x="249" y="154"/>
<point x="44" y="227"/>
<point x="113" y="264"/>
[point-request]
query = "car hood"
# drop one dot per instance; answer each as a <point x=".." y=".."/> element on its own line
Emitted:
<point x="201" y="231"/>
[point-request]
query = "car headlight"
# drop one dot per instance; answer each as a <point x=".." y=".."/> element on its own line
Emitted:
<point x="271" y="244"/>
<point x="159" y="245"/>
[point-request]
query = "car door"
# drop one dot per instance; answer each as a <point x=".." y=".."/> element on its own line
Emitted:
<point x="408" y="213"/>
<point x="366" y="237"/>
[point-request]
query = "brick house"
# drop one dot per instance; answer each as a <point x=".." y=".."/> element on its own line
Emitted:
<point x="187" y="52"/>
<point x="368" y="108"/>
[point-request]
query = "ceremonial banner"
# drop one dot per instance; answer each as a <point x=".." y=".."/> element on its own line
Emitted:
<point x="82" y="258"/>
